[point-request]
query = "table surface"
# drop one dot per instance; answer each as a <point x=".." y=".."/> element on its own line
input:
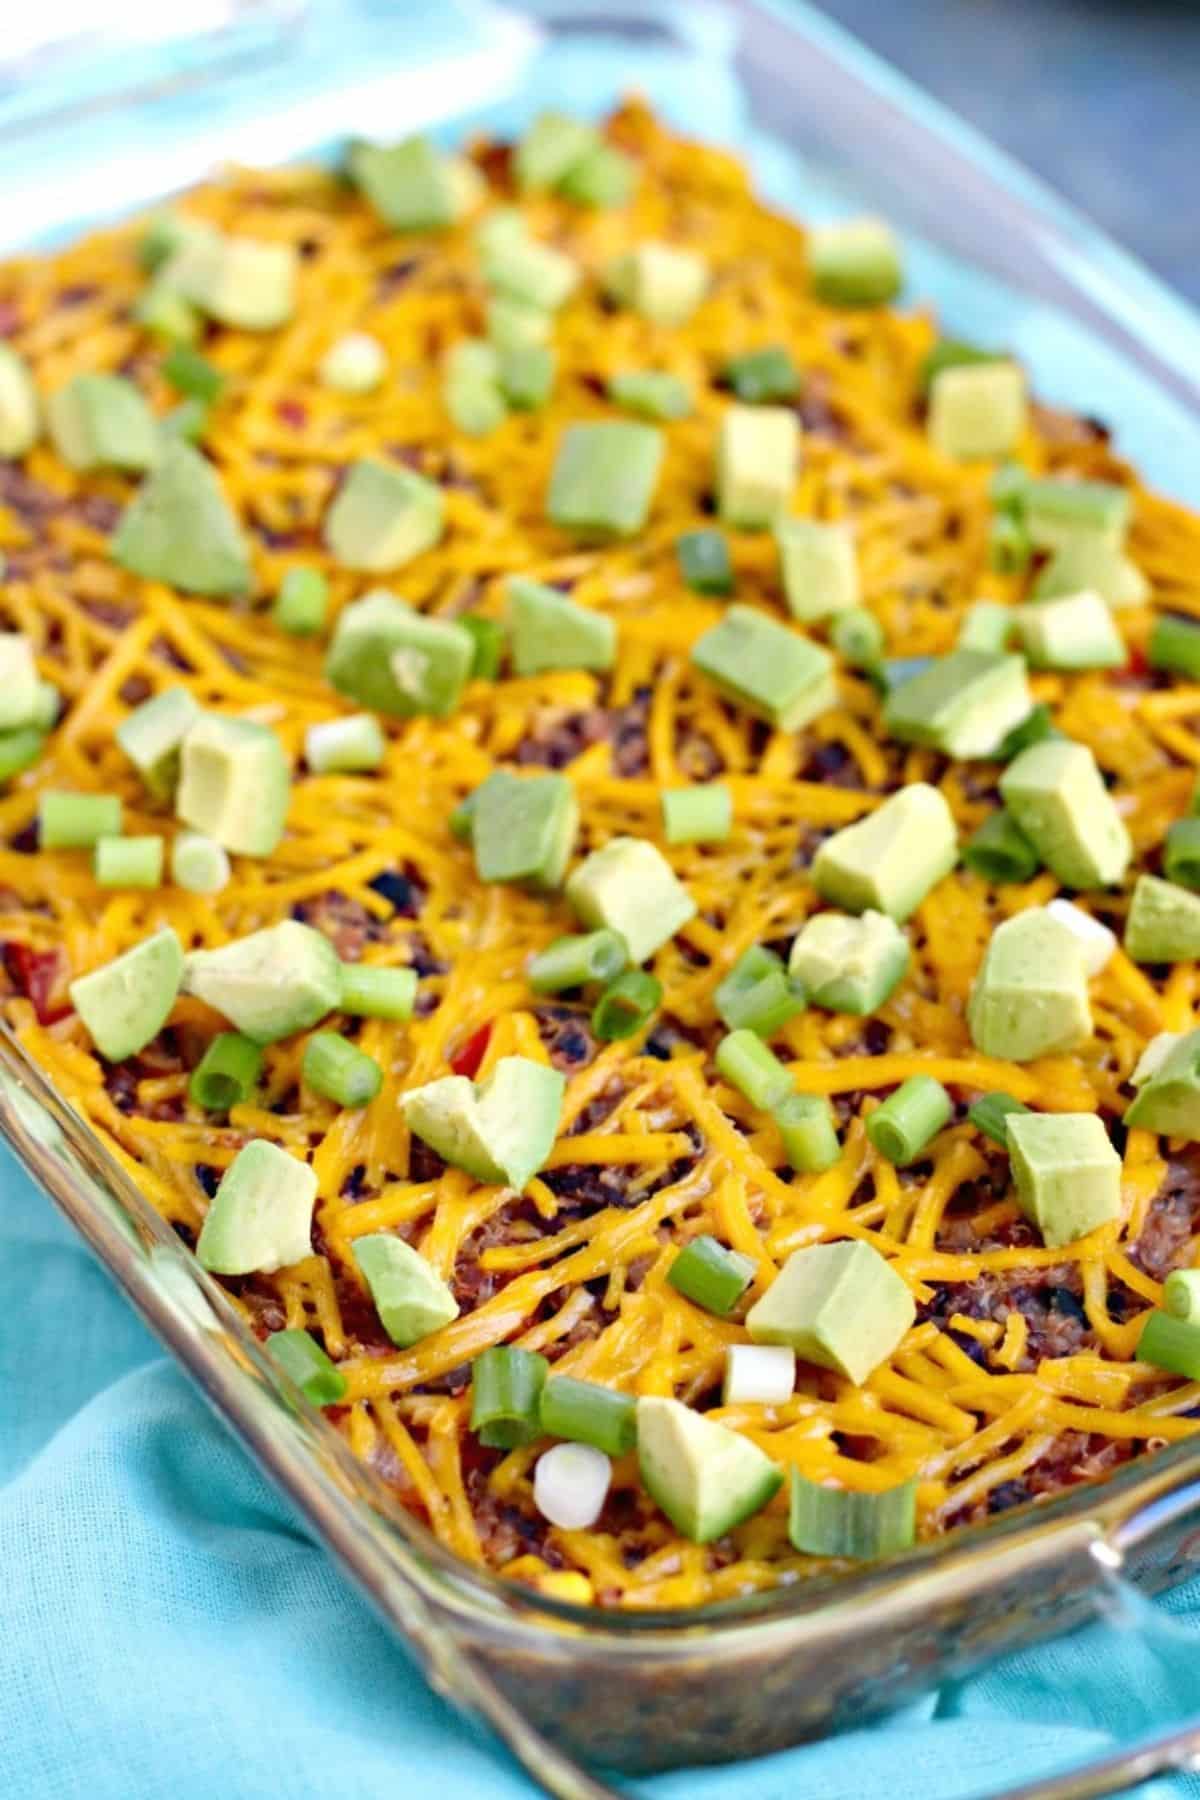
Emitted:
<point x="1100" y="97"/>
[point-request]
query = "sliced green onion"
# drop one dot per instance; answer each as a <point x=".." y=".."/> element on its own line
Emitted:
<point x="651" y="393"/>
<point x="128" y="861"/>
<point x="191" y="374"/>
<point x="506" y="1392"/>
<point x="1181" y="853"/>
<point x="704" y="562"/>
<point x="810" y="1140"/>
<point x="1000" y="851"/>
<point x="758" y="994"/>
<point x="371" y="992"/>
<point x="712" y="1276"/>
<point x="763" y="375"/>
<point x="989" y="1113"/>
<point x="77" y="821"/>
<point x="302" y="602"/>
<point x="626" y="1005"/>
<point x="1171" y="1343"/>
<point x="1032" y="730"/>
<point x="302" y="1358"/>
<point x="345" y="746"/>
<point x="227" y="1073"/>
<point x="199" y="864"/>
<point x="1175" y="645"/>
<point x="855" y="262"/>
<point x="19" y="750"/>
<point x="857" y="636"/>
<point x="339" y="1070"/>
<point x="583" y="1412"/>
<point x="1181" y="1294"/>
<point x="948" y="353"/>
<point x="986" y="626"/>
<point x="844" y="1522"/>
<point x="1053" y="508"/>
<point x="574" y="961"/>
<point x="697" y="815"/>
<point x="488" y="636"/>
<point x="899" y="669"/>
<point x="910" y="1119"/>
<point x="1009" y="486"/>
<point x="1009" y="546"/>
<point x="747" y="1064"/>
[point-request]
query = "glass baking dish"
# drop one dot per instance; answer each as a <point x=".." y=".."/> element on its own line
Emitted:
<point x="828" y="129"/>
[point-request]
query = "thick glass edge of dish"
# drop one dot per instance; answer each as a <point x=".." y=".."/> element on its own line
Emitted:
<point x="376" y="1538"/>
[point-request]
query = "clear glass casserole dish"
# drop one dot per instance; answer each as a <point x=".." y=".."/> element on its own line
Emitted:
<point x="827" y="129"/>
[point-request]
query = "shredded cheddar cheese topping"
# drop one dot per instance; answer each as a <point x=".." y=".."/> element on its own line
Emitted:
<point x="653" y="1148"/>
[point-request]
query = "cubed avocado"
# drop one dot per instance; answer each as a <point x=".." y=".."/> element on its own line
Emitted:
<point x="661" y="282"/>
<point x="889" y="860"/>
<point x="260" y="1217"/>
<point x="393" y="660"/>
<point x="1096" y="941"/>
<point x="1055" y="792"/>
<point x="412" y="185"/>
<point x="1030" y="997"/>
<point x="855" y="262"/>
<point x="1058" y="512"/>
<point x="1075" y="631"/>
<point x="849" y="964"/>
<point x="19" y="411"/>
<point x="513" y="324"/>
<point x="629" y="886"/>
<point x="533" y="274"/>
<point x="152" y="737"/>
<point x="550" y="149"/>
<point x="964" y="704"/>
<point x="234" y="783"/>
<point x="523" y="829"/>
<point x="127" y="1002"/>
<point x="758" y="458"/>
<point x="19" y="683"/>
<point x="410" y="1296"/>
<point x="978" y="410"/>
<point x="1067" y="1173"/>
<point x="236" y="280"/>
<point x="1163" y="922"/>
<point x="1092" y="563"/>
<point x="550" y="631"/>
<point x="271" y="984"/>
<point x="499" y="1131"/>
<point x="1168" y="1096"/>
<point x="179" y="528"/>
<point x="705" y="1477"/>
<point x="819" y="568"/>
<point x="841" y="1306"/>
<point x="102" y="422"/>
<point x="772" y="671"/>
<point x="383" y="517"/>
<point x="604" y="478"/>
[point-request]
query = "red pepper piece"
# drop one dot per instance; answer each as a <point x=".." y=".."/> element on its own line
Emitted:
<point x="467" y="1060"/>
<point x="40" y="975"/>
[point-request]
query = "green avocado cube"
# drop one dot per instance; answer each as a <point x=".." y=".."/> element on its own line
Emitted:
<point x="1163" y="922"/>
<point x="978" y="410"/>
<point x="533" y="274"/>
<point x="179" y="528"/>
<point x="849" y="964"/>
<point x="19" y="682"/>
<point x="840" y="1306"/>
<point x="102" y="422"/>
<point x="410" y="1296"/>
<point x="271" y="984"/>
<point x="152" y="737"/>
<point x="1168" y="1096"/>
<point x="704" y="1476"/>
<point x="629" y="886"/>
<point x="1030" y="997"/>
<point x="413" y="185"/>
<point x="126" y="1003"/>
<point x="659" y="281"/>
<point x="260" y="1217"/>
<point x="513" y="324"/>
<point x="383" y="517"/>
<point x="549" y="631"/>
<point x="1067" y="1173"/>
<point x="758" y="456"/>
<point x="855" y="262"/>
<point x="1056" y="793"/>
<point x="234" y="783"/>
<point x="500" y="1130"/>
<point x="964" y="704"/>
<point x="605" y="177"/>
<point x="772" y="671"/>
<point x="238" y="281"/>
<point x="818" y="566"/>
<point x="1092" y="564"/>
<point x="523" y="829"/>
<point x="166" y="315"/>
<point x="604" y="478"/>
<point x="1076" y="631"/>
<point x="393" y="660"/>
<point x="1057" y="512"/>
<point x="19" y="411"/>
<point x="889" y="861"/>
<point x="553" y="145"/>
<point x="526" y="376"/>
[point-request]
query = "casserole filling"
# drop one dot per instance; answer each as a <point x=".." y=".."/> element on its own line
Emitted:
<point x="604" y="822"/>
